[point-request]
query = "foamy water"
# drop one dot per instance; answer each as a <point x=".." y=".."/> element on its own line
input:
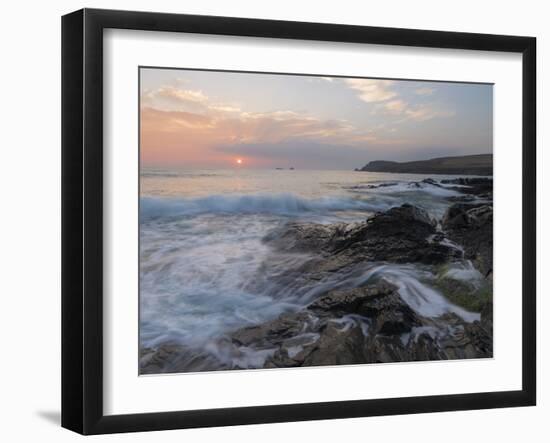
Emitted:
<point x="204" y="270"/>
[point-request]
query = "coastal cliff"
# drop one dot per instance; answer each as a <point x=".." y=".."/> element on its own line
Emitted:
<point x="481" y="164"/>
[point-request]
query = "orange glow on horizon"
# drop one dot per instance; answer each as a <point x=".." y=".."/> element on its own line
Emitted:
<point x="239" y="161"/>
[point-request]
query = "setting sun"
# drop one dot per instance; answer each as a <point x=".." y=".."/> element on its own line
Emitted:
<point x="239" y="161"/>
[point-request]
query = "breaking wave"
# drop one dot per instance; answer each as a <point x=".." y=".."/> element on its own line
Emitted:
<point x="279" y="204"/>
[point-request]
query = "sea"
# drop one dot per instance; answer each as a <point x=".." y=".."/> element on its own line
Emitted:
<point x="205" y="269"/>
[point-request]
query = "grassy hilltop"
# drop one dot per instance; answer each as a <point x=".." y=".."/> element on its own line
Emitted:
<point x="481" y="164"/>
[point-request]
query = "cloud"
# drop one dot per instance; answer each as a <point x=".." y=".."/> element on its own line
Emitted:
<point x="279" y="126"/>
<point x="395" y="106"/>
<point x="387" y="101"/>
<point x="424" y="91"/>
<point x="372" y="91"/>
<point x="169" y="109"/>
<point x="183" y="95"/>
<point x="172" y="98"/>
<point x="182" y="137"/>
<point x="173" y="121"/>
<point x="186" y="127"/>
<point x="426" y="112"/>
<point x="224" y="108"/>
<point x="313" y="79"/>
<point x="406" y="111"/>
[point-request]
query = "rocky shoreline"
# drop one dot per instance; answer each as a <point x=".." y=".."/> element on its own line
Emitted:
<point x="373" y="322"/>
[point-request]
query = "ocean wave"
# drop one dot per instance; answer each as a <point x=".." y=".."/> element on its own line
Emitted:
<point x="280" y="204"/>
<point x="437" y="190"/>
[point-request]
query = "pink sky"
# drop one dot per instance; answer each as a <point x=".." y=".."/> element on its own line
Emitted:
<point x="204" y="119"/>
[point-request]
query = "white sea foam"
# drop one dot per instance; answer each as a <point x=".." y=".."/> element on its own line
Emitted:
<point x="419" y="296"/>
<point x="394" y="187"/>
<point x="465" y="271"/>
<point x="280" y="204"/>
<point x="351" y="321"/>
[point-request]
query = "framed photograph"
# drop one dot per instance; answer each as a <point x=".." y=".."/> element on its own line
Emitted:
<point x="269" y="221"/>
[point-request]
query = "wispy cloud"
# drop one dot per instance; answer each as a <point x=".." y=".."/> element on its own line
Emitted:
<point x="183" y="95"/>
<point x="424" y="91"/>
<point x="386" y="99"/>
<point x="426" y="112"/>
<point x="189" y="118"/>
<point x="396" y="106"/>
<point x="224" y="108"/>
<point x="372" y="91"/>
<point x="415" y="112"/>
<point x="201" y="121"/>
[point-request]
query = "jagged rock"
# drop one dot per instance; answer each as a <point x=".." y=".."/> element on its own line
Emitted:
<point x="312" y="237"/>
<point x="352" y="300"/>
<point x="461" y="198"/>
<point x="387" y="349"/>
<point x="402" y="234"/>
<point x="171" y="358"/>
<point x="471" y="226"/>
<point x="337" y="346"/>
<point x="474" y="185"/>
<point x="373" y="186"/>
<point x="431" y="181"/>
<point x="274" y="332"/>
<point x="381" y="303"/>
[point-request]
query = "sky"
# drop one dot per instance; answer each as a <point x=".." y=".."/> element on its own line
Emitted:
<point x="214" y="119"/>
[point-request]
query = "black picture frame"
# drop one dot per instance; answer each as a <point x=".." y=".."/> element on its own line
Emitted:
<point x="82" y="220"/>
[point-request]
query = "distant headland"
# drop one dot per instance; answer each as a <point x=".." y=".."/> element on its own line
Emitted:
<point x="481" y="164"/>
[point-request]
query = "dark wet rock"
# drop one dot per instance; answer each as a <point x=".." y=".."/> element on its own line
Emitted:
<point x="334" y="346"/>
<point x="473" y="185"/>
<point x="353" y="300"/>
<point x="422" y="184"/>
<point x="370" y="324"/>
<point x="172" y="358"/>
<point x="333" y="329"/>
<point x="471" y="226"/>
<point x="467" y="216"/>
<point x="275" y="332"/>
<point x="383" y="185"/>
<point x="461" y="198"/>
<point x="311" y="237"/>
<point x="466" y="340"/>
<point x="387" y="349"/>
<point x="431" y="181"/>
<point x="487" y="315"/>
<point x="337" y="346"/>
<point x="487" y="196"/>
<point x="380" y="302"/>
<point x="373" y="186"/>
<point x="402" y="234"/>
